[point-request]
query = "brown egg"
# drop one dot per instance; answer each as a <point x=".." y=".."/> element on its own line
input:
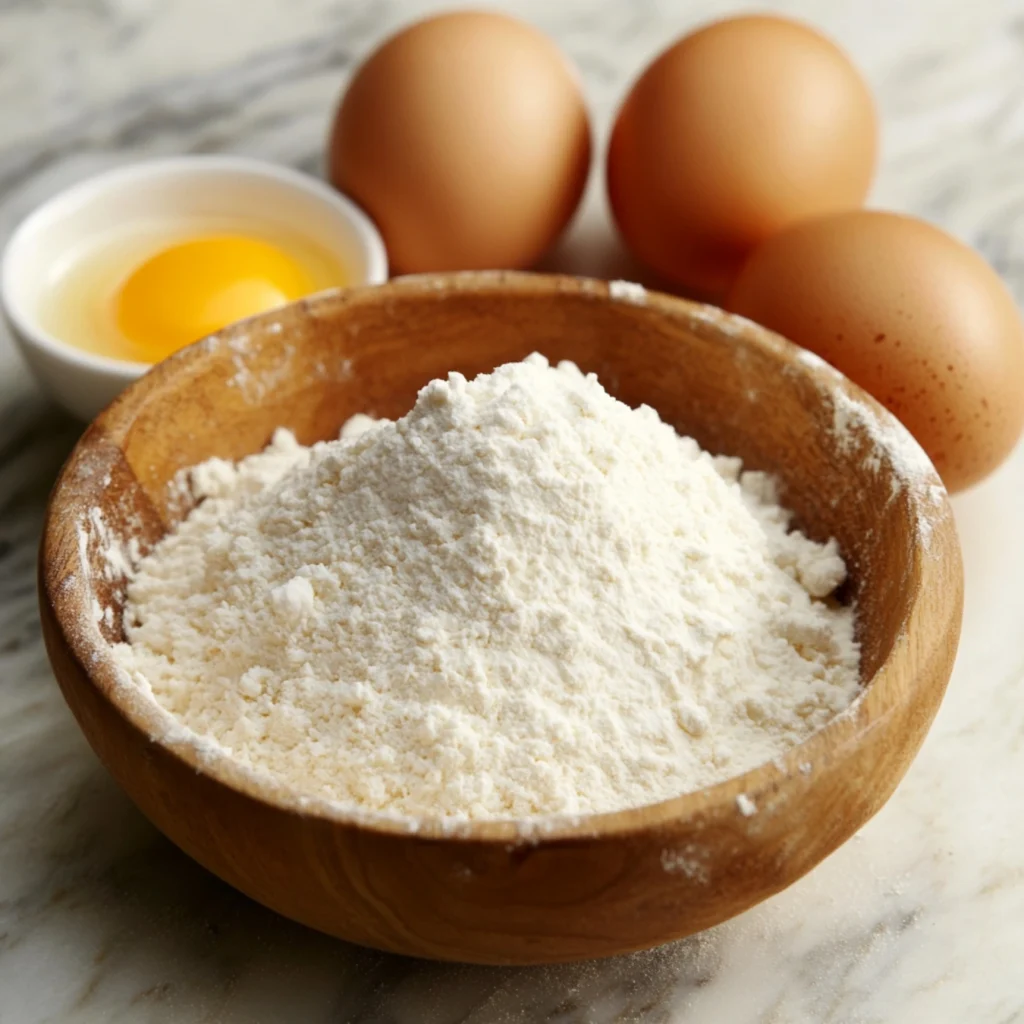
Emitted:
<point x="465" y="137"/>
<point x="732" y="134"/>
<point x="915" y="317"/>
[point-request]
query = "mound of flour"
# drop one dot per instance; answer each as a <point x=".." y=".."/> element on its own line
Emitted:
<point x="521" y="598"/>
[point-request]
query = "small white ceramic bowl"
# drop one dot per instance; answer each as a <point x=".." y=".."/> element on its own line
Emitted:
<point x="219" y="186"/>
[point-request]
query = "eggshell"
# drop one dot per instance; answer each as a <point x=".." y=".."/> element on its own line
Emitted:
<point x="466" y="139"/>
<point x="732" y="134"/>
<point x="915" y="317"/>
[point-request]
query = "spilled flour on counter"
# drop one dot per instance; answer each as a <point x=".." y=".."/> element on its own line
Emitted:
<point x="522" y="598"/>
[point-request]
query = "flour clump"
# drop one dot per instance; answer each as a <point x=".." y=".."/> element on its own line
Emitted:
<point x="521" y="598"/>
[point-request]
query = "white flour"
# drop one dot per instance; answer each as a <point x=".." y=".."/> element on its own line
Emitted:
<point x="521" y="598"/>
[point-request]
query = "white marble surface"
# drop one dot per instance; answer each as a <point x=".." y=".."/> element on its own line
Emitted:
<point x="919" y="918"/>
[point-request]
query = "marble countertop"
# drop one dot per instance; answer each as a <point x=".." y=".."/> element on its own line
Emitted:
<point x="919" y="918"/>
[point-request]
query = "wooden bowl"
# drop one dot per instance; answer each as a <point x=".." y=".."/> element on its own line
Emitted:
<point x="502" y="892"/>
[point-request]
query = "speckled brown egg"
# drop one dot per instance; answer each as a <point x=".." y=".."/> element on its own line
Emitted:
<point x="735" y="132"/>
<point x="915" y="317"/>
<point x="466" y="138"/>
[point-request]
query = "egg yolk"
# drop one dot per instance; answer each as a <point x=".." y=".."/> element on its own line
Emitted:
<point x="197" y="287"/>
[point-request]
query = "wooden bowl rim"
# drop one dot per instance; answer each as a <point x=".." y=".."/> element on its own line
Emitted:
<point x="934" y="550"/>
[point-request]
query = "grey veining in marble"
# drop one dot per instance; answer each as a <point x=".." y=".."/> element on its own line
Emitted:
<point x="919" y="918"/>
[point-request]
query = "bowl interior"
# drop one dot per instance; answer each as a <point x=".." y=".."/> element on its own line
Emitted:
<point x="734" y="387"/>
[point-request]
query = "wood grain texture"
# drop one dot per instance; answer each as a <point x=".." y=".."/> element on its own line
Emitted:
<point x="489" y="892"/>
